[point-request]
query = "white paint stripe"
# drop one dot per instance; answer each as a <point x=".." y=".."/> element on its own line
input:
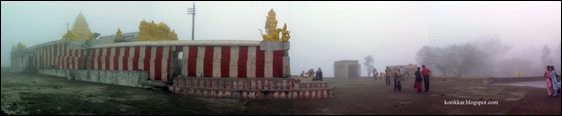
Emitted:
<point x="217" y="61"/>
<point x="120" y="58"/>
<point x="51" y="55"/>
<point x="141" y="58"/>
<point x="64" y="59"/>
<point x="251" y="66"/>
<point x="200" y="60"/>
<point x="268" y="72"/>
<point x="234" y="51"/>
<point x="43" y="57"/>
<point x="111" y="60"/>
<point x="130" y="58"/>
<point x="151" y="60"/>
<point x="96" y="59"/>
<point x="184" y="60"/>
<point x="165" y="59"/>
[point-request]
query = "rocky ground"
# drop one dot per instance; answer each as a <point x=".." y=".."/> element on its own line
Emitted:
<point x="32" y="94"/>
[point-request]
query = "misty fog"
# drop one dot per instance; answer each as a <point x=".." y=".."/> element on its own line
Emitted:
<point x="482" y="38"/>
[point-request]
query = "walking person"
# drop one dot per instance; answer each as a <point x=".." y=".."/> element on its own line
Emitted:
<point x="375" y="73"/>
<point x="397" y="78"/>
<point x="554" y="81"/>
<point x="548" y="80"/>
<point x="418" y="80"/>
<point x="425" y="73"/>
<point x="387" y="76"/>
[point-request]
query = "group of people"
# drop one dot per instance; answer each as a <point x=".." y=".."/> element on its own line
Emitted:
<point x="317" y="75"/>
<point x="422" y="75"/>
<point x="552" y="80"/>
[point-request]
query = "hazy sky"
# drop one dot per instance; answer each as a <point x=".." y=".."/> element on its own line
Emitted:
<point x="321" y="32"/>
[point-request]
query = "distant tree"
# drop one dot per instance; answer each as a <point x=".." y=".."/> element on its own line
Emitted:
<point x="369" y="64"/>
<point x="491" y="48"/>
<point x="545" y="56"/>
<point x="457" y="60"/>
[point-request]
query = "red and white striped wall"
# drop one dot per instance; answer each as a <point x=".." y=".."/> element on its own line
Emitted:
<point x="59" y="55"/>
<point x="232" y="62"/>
<point x="207" y="60"/>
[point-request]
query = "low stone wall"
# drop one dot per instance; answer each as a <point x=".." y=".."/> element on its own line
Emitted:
<point x="486" y="80"/>
<point x="517" y="79"/>
<point x="124" y="78"/>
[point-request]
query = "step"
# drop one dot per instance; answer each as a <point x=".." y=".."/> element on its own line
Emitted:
<point x="254" y="94"/>
<point x="245" y="83"/>
<point x="154" y="83"/>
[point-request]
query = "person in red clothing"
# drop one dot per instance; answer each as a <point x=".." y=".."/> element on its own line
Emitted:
<point x="549" y="88"/>
<point x="426" y="73"/>
<point x="418" y="82"/>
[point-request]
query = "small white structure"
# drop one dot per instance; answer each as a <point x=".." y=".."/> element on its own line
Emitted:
<point x="347" y="69"/>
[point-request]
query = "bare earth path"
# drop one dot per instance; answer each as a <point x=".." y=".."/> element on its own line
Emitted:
<point x="39" y="94"/>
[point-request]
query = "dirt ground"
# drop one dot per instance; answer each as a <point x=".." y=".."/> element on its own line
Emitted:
<point x="39" y="94"/>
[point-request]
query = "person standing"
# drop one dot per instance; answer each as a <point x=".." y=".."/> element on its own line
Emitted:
<point x="387" y="76"/>
<point x="418" y="80"/>
<point x="311" y="73"/>
<point x="318" y="75"/>
<point x="426" y="73"/>
<point x="554" y="81"/>
<point x="548" y="81"/>
<point x="375" y="73"/>
<point x="302" y="74"/>
<point x="397" y="78"/>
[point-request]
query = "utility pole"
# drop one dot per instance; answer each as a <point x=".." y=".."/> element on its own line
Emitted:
<point x="191" y="11"/>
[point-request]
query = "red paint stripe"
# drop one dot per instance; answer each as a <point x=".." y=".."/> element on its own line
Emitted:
<point x="260" y="63"/>
<point x="192" y="61"/>
<point x="208" y="61"/>
<point x="107" y="58"/>
<point x="179" y="48"/>
<point x="66" y="55"/>
<point x="234" y="83"/>
<point x="184" y="82"/>
<point x="277" y="63"/>
<point x="262" y="84"/>
<point x="81" y="53"/>
<point x="126" y="58"/>
<point x="136" y="58"/>
<point x="92" y="58"/>
<point x="65" y="60"/>
<point x="169" y="63"/>
<point x="116" y="59"/>
<point x="57" y="60"/>
<point x="225" y="61"/>
<point x="158" y="63"/>
<point x="242" y="61"/>
<point x="99" y="55"/>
